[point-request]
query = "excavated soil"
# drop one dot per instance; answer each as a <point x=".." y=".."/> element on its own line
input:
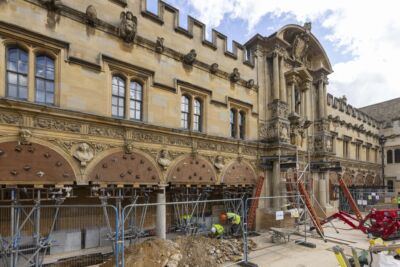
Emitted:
<point x="186" y="251"/>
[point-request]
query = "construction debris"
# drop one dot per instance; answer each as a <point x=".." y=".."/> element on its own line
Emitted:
<point x="186" y="251"/>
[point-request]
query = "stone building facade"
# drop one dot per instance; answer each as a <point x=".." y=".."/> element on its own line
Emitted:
<point x="105" y="92"/>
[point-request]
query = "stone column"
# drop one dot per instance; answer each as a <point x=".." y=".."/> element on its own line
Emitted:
<point x="161" y="214"/>
<point x="282" y="82"/>
<point x="321" y="101"/>
<point x="303" y="104"/>
<point x="31" y="76"/>
<point x="322" y="190"/>
<point x="276" y="184"/>
<point x="325" y="100"/>
<point x="275" y="76"/>
<point x="2" y="68"/>
<point x="328" y="196"/>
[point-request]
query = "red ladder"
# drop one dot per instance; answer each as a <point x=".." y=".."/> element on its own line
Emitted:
<point x="254" y="203"/>
<point x="310" y="207"/>
<point x="350" y="199"/>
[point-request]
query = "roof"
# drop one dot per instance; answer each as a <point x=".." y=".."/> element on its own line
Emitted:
<point x="384" y="111"/>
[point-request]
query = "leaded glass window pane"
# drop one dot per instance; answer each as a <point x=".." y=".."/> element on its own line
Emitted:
<point x="17" y="73"/>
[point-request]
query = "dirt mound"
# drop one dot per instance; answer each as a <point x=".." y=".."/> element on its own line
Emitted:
<point x="187" y="251"/>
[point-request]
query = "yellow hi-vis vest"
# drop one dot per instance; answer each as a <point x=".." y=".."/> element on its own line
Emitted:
<point x="234" y="217"/>
<point x="219" y="229"/>
<point x="398" y="200"/>
<point x="186" y="217"/>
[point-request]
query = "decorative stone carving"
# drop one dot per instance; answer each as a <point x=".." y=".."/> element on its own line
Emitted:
<point x="160" y="45"/>
<point x="105" y="131"/>
<point x="263" y="130"/>
<point x="190" y="57"/>
<point x="147" y="137"/>
<point x="250" y="83"/>
<point x="128" y="26"/>
<point x="219" y="163"/>
<point x="164" y="160"/>
<point x="214" y="68"/>
<point x="329" y="145"/>
<point x="10" y="118"/>
<point x="52" y="5"/>
<point x="59" y="125"/>
<point x="235" y="75"/>
<point x="83" y="153"/>
<point x="24" y="136"/>
<point x="300" y="47"/>
<point x="91" y="15"/>
<point x="129" y="148"/>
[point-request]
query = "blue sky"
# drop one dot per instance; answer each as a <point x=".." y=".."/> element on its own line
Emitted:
<point x="360" y="37"/>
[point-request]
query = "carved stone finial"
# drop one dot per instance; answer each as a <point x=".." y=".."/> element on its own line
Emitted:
<point x="190" y="57"/>
<point x="307" y="26"/>
<point x="24" y="136"/>
<point x="160" y="45"/>
<point x="344" y="99"/>
<point x="129" y="148"/>
<point x="219" y="163"/>
<point x="52" y="5"/>
<point x="164" y="160"/>
<point x="214" y="68"/>
<point x="235" y="75"/>
<point x="250" y="83"/>
<point x="91" y="15"/>
<point x="128" y="26"/>
<point x="83" y="153"/>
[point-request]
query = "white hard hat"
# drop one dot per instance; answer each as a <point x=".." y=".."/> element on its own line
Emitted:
<point x="213" y="229"/>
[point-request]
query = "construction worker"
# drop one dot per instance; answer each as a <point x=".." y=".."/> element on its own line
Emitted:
<point x="398" y="200"/>
<point x="234" y="221"/>
<point x="217" y="230"/>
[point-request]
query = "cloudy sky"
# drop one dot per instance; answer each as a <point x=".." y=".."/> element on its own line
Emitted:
<point x="361" y="37"/>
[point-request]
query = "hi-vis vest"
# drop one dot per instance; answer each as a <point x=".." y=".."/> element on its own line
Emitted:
<point x="234" y="217"/>
<point x="219" y="229"/>
<point x="398" y="200"/>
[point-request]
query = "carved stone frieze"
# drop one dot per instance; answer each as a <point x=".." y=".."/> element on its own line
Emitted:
<point x="147" y="137"/>
<point x="229" y="148"/>
<point x="249" y="151"/>
<point x="106" y="131"/>
<point x="67" y="145"/>
<point x="179" y="141"/>
<point x="207" y="145"/>
<point x="56" y="124"/>
<point x="128" y="26"/>
<point x="10" y="118"/>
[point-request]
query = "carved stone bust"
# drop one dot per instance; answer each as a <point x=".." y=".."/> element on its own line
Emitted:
<point x="235" y="75"/>
<point x="164" y="160"/>
<point x="214" y="68"/>
<point x="190" y="57"/>
<point x="219" y="163"/>
<point x="52" y="5"/>
<point x="160" y="45"/>
<point x="24" y="136"/>
<point x="84" y="153"/>
<point x="91" y="15"/>
<point x="129" y="148"/>
<point x="127" y="27"/>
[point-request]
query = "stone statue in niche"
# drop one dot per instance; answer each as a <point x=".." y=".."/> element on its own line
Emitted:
<point x="214" y="68"/>
<point x="250" y="83"/>
<point x="235" y="75"/>
<point x="24" y="136"/>
<point x="190" y="57"/>
<point x="160" y="45"/>
<point x="127" y="27"/>
<point x="219" y="163"/>
<point x="84" y="153"/>
<point x="52" y="5"/>
<point x="91" y="15"/>
<point x="164" y="160"/>
<point x="329" y="146"/>
<point x="283" y="132"/>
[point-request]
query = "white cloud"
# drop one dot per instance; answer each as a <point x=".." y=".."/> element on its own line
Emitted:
<point x="368" y="30"/>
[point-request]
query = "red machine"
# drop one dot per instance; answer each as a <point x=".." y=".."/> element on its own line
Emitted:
<point x="380" y="223"/>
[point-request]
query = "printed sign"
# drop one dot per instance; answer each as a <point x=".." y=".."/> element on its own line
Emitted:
<point x="279" y="215"/>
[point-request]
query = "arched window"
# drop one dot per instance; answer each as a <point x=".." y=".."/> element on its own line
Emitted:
<point x="242" y="124"/>
<point x="118" y="97"/>
<point x="17" y="73"/>
<point x="44" y="80"/>
<point x="233" y="122"/>
<point x="197" y="115"/>
<point x="136" y="101"/>
<point x="185" y="111"/>
<point x="389" y="156"/>
<point x="397" y="156"/>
